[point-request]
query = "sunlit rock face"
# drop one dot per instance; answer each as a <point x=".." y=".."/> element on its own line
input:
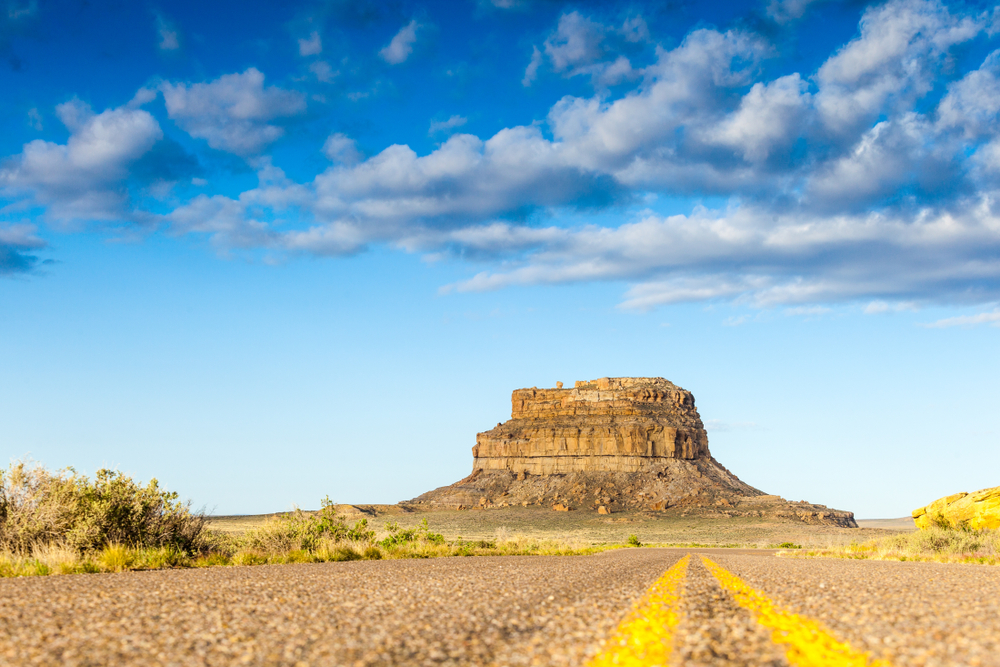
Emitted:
<point x="976" y="511"/>
<point x="607" y="446"/>
<point x="610" y="424"/>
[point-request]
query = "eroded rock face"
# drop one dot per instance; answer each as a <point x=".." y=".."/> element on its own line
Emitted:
<point x="613" y="444"/>
<point x="962" y="510"/>
<point x="610" y="425"/>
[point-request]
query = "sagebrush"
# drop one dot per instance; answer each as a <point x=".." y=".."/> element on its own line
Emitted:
<point x="41" y="508"/>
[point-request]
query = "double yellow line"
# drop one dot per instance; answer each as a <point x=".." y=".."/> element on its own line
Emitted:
<point x="646" y="636"/>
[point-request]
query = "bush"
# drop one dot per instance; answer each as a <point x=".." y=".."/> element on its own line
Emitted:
<point x="398" y="537"/>
<point x="39" y="507"/>
<point x="303" y="531"/>
<point x="633" y="541"/>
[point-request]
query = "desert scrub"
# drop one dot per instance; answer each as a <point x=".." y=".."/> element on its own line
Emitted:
<point x="40" y="508"/>
<point x="304" y="531"/>
<point x="941" y="545"/>
<point x="299" y="537"/>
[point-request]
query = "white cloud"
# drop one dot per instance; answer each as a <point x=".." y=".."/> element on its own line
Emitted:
<point x="34" y="119"/>
<point x="973" y="103"/>
<point x="531" y="71"/>
<point x="749" y="254"/>
<point x="992" y="318"/>
<point x="340" y="148"/>
<point x="401" y="46"/>
<point x="312" y="45"/>
<point x="168" y="34"/>
<point x="893" y="62"/>
<point x="769" y="119"/>
<point x="82" y="179"/>
<point x="577" y="41"/>
<point x="855" y="190"/>
<point x="878" y="307"/>
<point x="322" y="71"/>
<point x="785" y="11"/>
<point x="233" y="112"/>
<point x="444" y="125"/>
<point x="635" y="29"/>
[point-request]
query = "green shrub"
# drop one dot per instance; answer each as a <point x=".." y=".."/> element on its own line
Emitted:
<point x="633" y="541"/>
<point x="303" y="531"/>
<point x="39" y="507"/>
<point x="398" y="537"/>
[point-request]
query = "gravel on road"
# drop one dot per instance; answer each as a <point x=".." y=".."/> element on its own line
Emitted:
<point x="539" y="610"/>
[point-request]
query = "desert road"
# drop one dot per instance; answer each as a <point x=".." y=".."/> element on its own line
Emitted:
<point x="624" y="607"/>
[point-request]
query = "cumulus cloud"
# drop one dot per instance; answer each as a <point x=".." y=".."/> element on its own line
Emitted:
<point x="852" y="183"/>
<point x="311" y="45"/>
<point x="234" y="112"/>
<point x="401" y="46"/>
<point x="798" y="230"/>
<point x="894" y="61"/>
<point x="340" y="148"/>
<point x="85" y="177"/>
<point x="577" y="41"/>
<point x="581" y="46"/>
<point x="749" y="255"/>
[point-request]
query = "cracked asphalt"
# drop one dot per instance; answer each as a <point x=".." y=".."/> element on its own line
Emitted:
<point x="541" y="610"/>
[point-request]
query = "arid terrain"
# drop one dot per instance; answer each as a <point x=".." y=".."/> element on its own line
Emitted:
<point x="589" y="527"/>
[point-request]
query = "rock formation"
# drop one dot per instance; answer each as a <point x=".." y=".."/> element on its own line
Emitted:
<point x="962" y="510"/>
<point x="612" y="443"/>
<point x="608" y="425"/>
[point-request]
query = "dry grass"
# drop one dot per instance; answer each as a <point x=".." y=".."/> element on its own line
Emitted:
<point x="938" y="545"/>
<point x="40" y="508"/>
<point x="585" y="527"/>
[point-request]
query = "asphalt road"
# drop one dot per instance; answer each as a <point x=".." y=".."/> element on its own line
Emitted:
<point x="507" y="611"/>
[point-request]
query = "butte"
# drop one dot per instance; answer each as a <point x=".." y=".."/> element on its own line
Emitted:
<point x="610" y="445"/>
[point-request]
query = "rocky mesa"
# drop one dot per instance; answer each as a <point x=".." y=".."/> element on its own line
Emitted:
<point x="610" y="445"/>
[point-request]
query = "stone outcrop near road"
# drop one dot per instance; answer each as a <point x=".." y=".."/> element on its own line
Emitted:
<point x="609" y="445"/>
<point x="962" y="510"/>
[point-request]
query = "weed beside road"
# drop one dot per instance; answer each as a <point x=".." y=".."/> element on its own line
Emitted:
<point x="63" y="523"/>
<point x="938" y="545"/>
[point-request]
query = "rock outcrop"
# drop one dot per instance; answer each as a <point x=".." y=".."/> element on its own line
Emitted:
<point x="962" y="510"/>
<point x="613" y="443"/>
<point x="607" y="425"/>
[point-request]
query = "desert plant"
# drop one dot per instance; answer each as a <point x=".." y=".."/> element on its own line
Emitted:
<point x="39" y="507"/>
<point x="633" y="541"/>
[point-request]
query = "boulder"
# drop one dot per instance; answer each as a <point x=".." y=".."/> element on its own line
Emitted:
<point x="962" y="510"/>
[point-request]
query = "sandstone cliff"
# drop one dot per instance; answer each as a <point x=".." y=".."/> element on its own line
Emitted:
<point x="963" y="510"/>
<point x="610" y="445"/>
<point x="608" y="425"/>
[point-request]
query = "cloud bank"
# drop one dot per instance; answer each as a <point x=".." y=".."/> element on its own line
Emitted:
<point x="874" y="178"/>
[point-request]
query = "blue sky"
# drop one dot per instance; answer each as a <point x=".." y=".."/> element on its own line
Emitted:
<point x="267" y="253"/>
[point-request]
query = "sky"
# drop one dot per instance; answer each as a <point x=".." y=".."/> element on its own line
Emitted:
<point x="269" y="252"/>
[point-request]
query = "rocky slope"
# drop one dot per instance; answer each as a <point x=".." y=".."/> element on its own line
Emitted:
<point x="962" y="510"/>
<point x="609" y="445"/>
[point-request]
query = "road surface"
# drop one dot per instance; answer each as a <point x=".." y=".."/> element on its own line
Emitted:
<point x="623" y="607"/>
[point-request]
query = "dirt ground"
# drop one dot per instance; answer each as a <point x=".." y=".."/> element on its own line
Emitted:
<point x="589" y="527"/>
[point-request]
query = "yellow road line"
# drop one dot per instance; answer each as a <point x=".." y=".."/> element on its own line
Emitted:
<point x="646" y="635"/>
<point x="809" y="644"/>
